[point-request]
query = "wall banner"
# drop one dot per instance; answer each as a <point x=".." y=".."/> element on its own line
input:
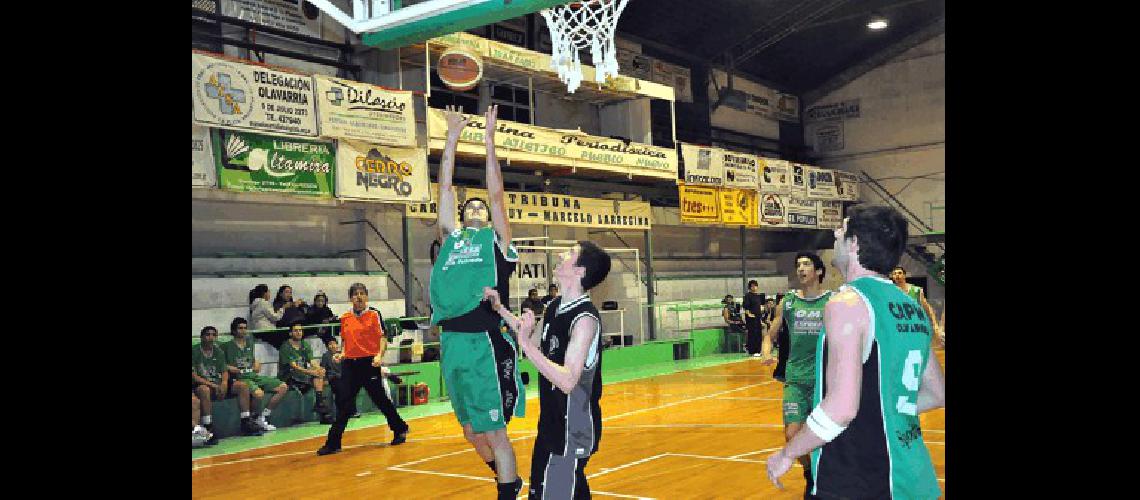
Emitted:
<point x="776" y="176"/>
<point x="787" y="107"/>
<point x="261" y="163"/>
<point x="740" y="170"/>
<point x="738" y="207"/>
<point x="847" y="185"/>
<point x="821" y="183"/>
<point x="550" y="209"/>
<point x="829" y="136"/>
<point x="773" y="209"/>
<point x="524" y="142"/>
<point x="703" y="165"/>
<point x="363" y="112"/>
<point x="803" y="213"/>
<point x="798" y="186"/>
<point x="837" y="110"/>
<point x="204" y="174"/>
<point x="383" y="173"/>
<point x="830" y="214"/>
<point x="281" y="14"/>
<point x="699" y="204"/>
<point x="232" y="94"/>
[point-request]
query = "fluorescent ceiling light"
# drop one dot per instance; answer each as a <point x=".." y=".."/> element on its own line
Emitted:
<point x="877" y="23"/>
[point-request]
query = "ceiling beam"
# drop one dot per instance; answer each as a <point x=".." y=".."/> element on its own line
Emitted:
<point x="877" y="59"/>
<point x="702" y="61"/>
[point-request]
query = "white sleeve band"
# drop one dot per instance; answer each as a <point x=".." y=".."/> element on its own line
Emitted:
<point x="822" y="425"/>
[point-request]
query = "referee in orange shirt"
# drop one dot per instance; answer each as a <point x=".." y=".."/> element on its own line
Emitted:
<point x="364" y="343"/>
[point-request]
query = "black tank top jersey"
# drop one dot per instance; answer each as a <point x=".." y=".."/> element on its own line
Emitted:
<point x="571" y="425"/>
<point x="857" y="464"/>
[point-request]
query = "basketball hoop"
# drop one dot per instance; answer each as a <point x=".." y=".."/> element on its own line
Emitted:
<point x="578" y="25"/>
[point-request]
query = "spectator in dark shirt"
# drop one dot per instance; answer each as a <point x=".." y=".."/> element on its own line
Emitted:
<point x="551" y="294"/>
<point x="731" y="314"/>
<point x="332" y="370"/>
<point x="531" y="302"/>
<point x="753" y="310"/>
<point x="320" y="314"/>
<point x="293" y="314"/>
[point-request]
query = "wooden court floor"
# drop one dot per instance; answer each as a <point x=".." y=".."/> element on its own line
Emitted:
<point x="703" y="433"/>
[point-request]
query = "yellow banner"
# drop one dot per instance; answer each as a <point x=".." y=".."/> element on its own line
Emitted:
<point x="363" y="112"/>
<point x="522" y="142"/>
<point x="738" y="207"/>
<point x="699" y="204"/>
<point x="468" y="41"/>
<point x="551" y="209"/>
<point x="519" y="57"/>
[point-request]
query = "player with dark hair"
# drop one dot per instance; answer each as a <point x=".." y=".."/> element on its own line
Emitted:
<point x="212" y="383"/>
<point x="898" y="276"/>
<point x="569" y="360"/>
<point x="243" y="366"/>
<point x="802" y="311"/>
<point x="301" y="371"/>
<point x="877" y="371"/>
<point x="479" y="361"/>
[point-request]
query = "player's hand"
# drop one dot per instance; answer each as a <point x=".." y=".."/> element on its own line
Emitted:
<point x="491" y="115"/>
<point x="778" y="465"/>
<point x="455" y="120"/>
<point x="376" y="362"/>
<point x="491" y="295"/>
<point x="221" y="389"/>
<point x="337" y="357"/>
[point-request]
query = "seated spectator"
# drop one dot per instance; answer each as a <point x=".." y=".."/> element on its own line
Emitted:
<point x="245" y="368"/>
<point x="292" y="314"/>
<point x="551" y="294"/>
<point x="199" y="436"/>
<point x="320" y="314"/>
<point x="213" y="383"/>
<point x="533" y="303"/>
<point x="731" y="314"/>
<point x="330" y="362"/>
<point x="262" y="316"/>
<point x="302" y="372"/>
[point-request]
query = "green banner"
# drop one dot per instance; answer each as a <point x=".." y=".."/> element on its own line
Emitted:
<point x="268" y="164"/>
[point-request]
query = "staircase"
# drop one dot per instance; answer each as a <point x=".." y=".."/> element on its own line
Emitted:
<point x="924" y="244"/>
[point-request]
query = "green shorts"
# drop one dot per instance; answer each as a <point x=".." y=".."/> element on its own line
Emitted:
<point x="482" y="376"/>
<point x="253" y="380"/>
<point x="797" y="401"/>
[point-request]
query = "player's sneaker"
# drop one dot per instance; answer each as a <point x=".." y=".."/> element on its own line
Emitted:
<point x="264" y="424"/>
<point x="200" y="437"/>
<point x="249" y="428"/>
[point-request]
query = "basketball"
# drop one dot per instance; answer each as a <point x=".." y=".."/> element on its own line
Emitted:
<point x="460" y="69"/>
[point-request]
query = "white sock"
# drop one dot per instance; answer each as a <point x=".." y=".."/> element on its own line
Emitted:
<point x="245" y="414"/>
<point x="207" y="420"/>
<point x="265" y="413"/>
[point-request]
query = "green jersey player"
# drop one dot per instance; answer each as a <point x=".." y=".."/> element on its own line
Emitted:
<point x="875" y="373"/>
<point x="803" y="311"/>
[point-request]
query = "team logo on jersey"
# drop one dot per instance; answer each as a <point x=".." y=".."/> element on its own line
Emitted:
<point x="494" y="414"/>
<point x="508" y="367"/>
<point x="816" y="314"/>
<point x="553" y="346"/>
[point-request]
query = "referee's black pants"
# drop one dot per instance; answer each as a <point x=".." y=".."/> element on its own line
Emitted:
<point x="357" y="373"/>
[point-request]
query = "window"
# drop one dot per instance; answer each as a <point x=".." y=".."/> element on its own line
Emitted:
<point x="513" y="101"/>
<point x="442" y="96"/>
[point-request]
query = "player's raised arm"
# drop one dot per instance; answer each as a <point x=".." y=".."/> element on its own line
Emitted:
<point x="447" y="208"/>
<point x="495" y="194"/>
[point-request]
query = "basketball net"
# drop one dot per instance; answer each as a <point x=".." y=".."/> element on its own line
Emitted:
<point x="577" y="25"/>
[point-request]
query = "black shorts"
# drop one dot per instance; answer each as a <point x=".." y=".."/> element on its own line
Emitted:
<point x="301" y="386"/>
